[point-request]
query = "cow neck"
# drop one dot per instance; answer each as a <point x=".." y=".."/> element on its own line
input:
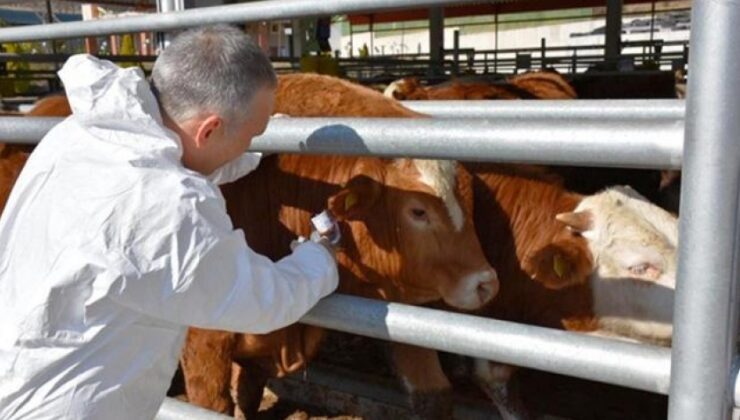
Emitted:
<point x="514" y="214"/>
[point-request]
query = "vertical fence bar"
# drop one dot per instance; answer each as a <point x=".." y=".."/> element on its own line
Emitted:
<point x="164" y="6"/>
<point x="456" y="52"/>
<point x="706" y="301"/>
<point x="543" y="53"/>
<point x="613" y="42"/>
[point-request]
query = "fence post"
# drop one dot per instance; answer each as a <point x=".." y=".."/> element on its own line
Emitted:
<point x="456" y="52"/>
<point x="706" y="306"/>
<point x="543" y="52"/>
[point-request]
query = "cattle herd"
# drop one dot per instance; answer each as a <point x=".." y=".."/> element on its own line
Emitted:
<point x="566" y="248"/>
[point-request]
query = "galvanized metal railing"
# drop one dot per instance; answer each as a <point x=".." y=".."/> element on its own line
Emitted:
<point x="585" y="141"/>
<point x="702" y="379"/>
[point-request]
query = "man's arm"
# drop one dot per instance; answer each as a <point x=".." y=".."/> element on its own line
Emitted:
<point x="208" y="277"/>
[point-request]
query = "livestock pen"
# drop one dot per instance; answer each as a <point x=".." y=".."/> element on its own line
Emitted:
<point x="699" y="373"/>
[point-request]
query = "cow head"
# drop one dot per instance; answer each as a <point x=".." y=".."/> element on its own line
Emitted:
<point x="411" y="221"/>
<point x="634" y="244"/>
<point x="408" y="88"/>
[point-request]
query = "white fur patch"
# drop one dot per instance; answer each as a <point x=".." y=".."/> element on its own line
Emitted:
<point x="440" y="175"/>
<point x="629" y="231"/>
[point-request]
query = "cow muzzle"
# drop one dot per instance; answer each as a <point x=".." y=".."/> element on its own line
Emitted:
<point x="474" y="290"/>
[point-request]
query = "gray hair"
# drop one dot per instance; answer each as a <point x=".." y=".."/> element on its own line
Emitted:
<point x="215" y="69"/>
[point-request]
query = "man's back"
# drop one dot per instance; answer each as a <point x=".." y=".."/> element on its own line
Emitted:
<point x="115" y="237"/>
<point x="79" y="214"/>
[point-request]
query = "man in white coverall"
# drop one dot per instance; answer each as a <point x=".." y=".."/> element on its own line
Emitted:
<point x="116" y="237"/>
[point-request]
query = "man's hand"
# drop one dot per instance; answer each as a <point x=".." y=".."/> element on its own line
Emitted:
<point x="315" y="237"/>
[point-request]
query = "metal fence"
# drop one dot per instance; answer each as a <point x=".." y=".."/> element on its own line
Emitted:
<point x="698" y="373"/>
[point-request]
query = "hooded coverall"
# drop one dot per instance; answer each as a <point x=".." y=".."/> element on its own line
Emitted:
<point x="110" y="248"/>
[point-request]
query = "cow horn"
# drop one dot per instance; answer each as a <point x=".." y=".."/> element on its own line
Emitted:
<point x="579" y="221"/>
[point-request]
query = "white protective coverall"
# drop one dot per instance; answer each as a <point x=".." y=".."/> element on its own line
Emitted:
<point x="110" y="248"/>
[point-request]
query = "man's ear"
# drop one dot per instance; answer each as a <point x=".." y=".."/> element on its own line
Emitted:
<point x="210" y="126"/>
<point x="562" y="263"/>
<point x="355" y="199"/>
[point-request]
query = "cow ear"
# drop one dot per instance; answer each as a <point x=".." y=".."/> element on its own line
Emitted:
<point x="354" y="200"/>
<point x="560" y="264"/>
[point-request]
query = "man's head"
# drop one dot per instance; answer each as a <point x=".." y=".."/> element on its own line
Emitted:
<point x="216" y="90"/>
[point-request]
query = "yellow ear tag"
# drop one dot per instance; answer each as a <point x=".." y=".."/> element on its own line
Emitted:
<point x="559" y="265"/>
<point x="349" y="201"/>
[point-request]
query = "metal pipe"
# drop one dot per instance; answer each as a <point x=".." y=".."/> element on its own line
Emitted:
<point x="173" y="409"/>
<point x="621" y="363"/>
<point x="613" y="41"/>
<point x="641" y="109"/>
<point x="436" y="40"/>
<point x="456" y="52"/>
<point x="620" y="143"/>
<point x="60" y="58"/>
<point x="236" y="13"/>
<point x="543" y="53"/>
<point x="166" y="6"/>
<point x="706" y="305"/>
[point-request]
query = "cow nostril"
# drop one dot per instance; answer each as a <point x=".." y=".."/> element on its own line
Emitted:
<point x="486" y="290"/>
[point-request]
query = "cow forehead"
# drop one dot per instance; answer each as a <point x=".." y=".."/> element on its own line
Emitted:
<point x="622" y="214"/>
<point x="441" y="176"/>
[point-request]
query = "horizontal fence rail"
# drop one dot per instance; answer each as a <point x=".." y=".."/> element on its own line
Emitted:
<point x="237" y="13"/>
<point x="588" y="142"/>
<point x="632" y="365"/>
<point x="173" y="409"/>
<point x="638" y="366"/>
<point x="626" y="110"/>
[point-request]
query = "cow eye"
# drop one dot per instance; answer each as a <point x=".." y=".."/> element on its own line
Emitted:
<point x="419" y="214"/>
<point x="645" y="270"/>
<point x="639" y="269"/>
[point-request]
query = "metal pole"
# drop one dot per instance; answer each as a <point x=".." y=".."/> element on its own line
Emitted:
<point x="372" y="37"/>
<point x="547" y="140"/>
<point x="574" y="62"/>
<point x="652" y="26"/>
<point x="266" y="10"/>
<point x="456" y="52"/>
<point x="495" y="47"/>
<point x="613" y="30"/>
<point x="621" y="363"/>
<point x="436" y="40"/>
<point x="543" y="49"/>
<point x="351" y="41"/>
<point x="165" y="6"/>
<point x="173" y="409"/>
<point x="706" y="305"/>
<point x="596" y="109"/>
<point x="53" y="83"/>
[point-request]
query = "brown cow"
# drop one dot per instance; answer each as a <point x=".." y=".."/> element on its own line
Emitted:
<point x="659" y="187"/>
<point x="579" y="277"/>
<point x="567" y="275"/>
<point x="385" y="260"/>
<point x="603" y="264"/>
<point x="531" y="85"/>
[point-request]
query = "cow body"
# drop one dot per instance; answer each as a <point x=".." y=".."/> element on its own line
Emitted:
<point x="603" y="264"/>
<point x="378" y="255"/>
<point x="659" y="187"/>
<point x="532" y="85"/>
